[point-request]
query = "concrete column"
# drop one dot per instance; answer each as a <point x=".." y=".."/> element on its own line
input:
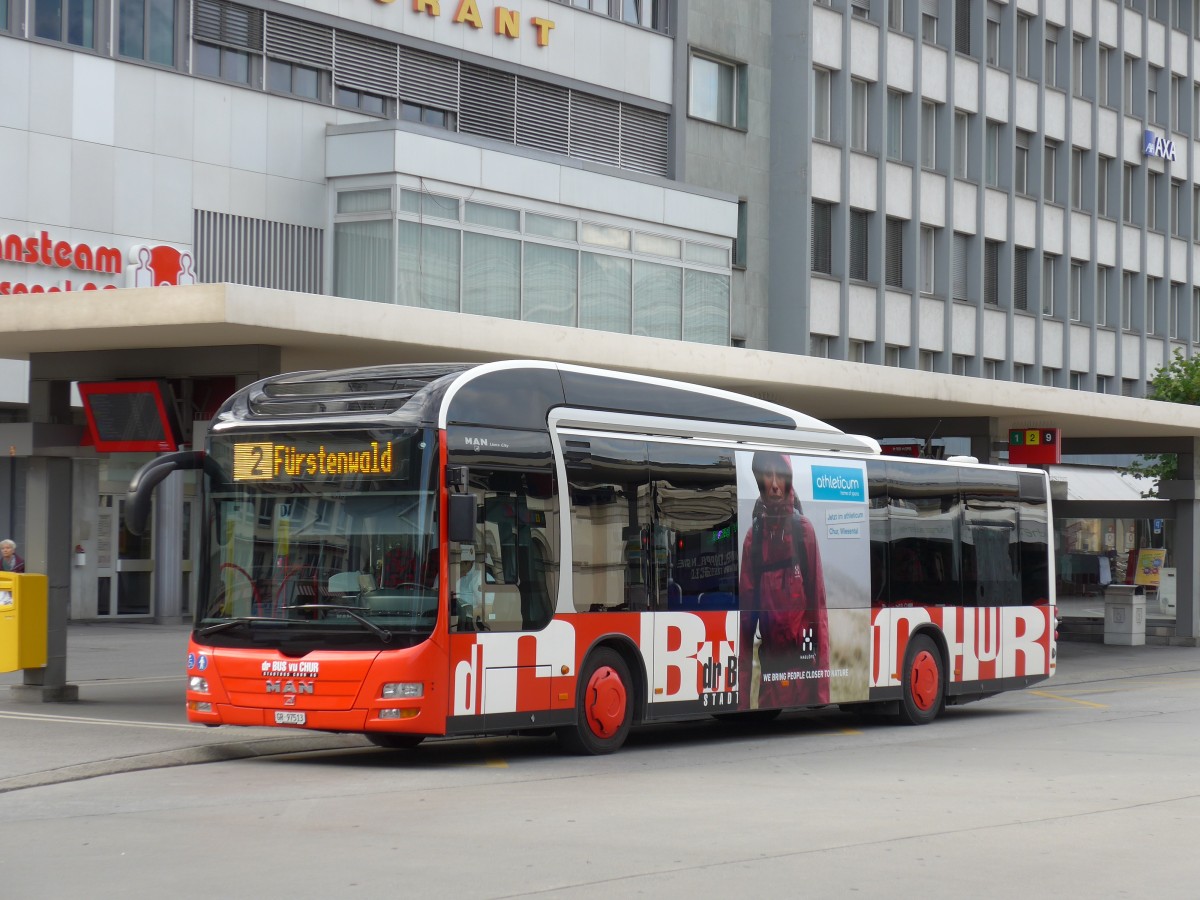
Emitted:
<point x="1187" y="533"/>
<point x="168" y="549"/>
<point x="48" y="549"/>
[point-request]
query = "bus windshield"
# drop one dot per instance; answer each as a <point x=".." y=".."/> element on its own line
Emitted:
<point x="322" y="538"/>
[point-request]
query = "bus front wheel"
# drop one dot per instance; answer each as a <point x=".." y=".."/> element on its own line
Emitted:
<point x="603" y="706"/>
<point x="923" y="682"/>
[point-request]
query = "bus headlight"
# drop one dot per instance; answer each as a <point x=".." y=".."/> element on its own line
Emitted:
<point x="198" y="684"/>
<point x="403" y="690"/>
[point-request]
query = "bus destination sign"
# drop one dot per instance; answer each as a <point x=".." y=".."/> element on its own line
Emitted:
<point x="271" y="461"/>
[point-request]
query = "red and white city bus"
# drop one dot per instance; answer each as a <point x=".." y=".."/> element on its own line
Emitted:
<point x="417" y="550"/>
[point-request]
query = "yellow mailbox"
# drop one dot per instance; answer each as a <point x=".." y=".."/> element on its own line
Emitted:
<point x="22" y="621"/>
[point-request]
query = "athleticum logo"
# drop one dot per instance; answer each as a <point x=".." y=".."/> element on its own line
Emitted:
<point x="838" y="483"/>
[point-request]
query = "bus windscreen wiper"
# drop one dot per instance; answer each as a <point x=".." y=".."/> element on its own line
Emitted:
<point x="353" y="612"/>
<point x="240" y="620"/>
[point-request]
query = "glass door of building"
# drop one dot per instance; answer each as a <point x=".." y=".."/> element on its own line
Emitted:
<point x="124" y="563"/>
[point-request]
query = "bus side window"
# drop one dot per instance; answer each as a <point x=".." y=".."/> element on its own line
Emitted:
<point x="695" y="547"/>
<point x="611" y="538"/>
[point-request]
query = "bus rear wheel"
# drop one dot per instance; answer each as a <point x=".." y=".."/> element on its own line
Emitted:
<point x="923" y="681"/>
<point x="603" y="706"/>
<point x="392" y="741"/>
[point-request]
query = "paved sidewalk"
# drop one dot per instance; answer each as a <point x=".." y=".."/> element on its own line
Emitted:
<point x="130" y="713"/>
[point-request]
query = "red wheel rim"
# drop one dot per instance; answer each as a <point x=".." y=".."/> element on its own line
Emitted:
<point x="923" y="681"/>
<point x="605" y="706"/>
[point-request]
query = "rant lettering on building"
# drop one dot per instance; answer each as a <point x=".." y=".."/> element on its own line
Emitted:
<point x="504" y="22"/>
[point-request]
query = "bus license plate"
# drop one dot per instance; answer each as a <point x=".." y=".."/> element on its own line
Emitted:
<point x="289" y="718"/>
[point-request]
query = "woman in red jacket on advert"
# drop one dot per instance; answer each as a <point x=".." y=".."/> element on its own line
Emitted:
<point x="782" y="593"/>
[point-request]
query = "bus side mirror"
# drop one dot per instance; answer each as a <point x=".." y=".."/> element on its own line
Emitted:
<point x="148" y="477"/>
<point x="463" y="513"/>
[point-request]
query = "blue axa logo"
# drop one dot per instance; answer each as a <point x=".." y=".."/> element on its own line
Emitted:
<point x="837" y="483"/>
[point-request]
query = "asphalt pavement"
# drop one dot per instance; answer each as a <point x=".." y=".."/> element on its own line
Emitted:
<point x="130" y="712"/>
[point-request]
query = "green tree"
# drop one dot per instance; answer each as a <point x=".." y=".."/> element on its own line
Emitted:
<point x="1176" y="382"/>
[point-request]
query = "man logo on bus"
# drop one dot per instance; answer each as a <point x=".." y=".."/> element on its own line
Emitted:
<point x="159" y="266"/>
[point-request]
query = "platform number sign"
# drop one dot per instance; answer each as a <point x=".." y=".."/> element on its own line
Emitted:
<point x="1034" y="446"/>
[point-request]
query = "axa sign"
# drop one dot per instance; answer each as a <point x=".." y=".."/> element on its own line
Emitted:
<point x="1158" y="146"/>
<point x="104" y="268"/>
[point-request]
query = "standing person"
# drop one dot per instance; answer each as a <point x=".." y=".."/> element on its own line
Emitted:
<point x="9" y="561"/>
<point x="782" y="593"/>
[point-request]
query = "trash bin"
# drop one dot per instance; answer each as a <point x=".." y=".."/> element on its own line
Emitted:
<point x="1125" y="615"/>
<point x="22" y="621"/>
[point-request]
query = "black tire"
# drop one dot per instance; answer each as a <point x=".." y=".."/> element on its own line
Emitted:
<point x="603" y="706"/>
<point x="393" y="741"/>
<point x="923" y="682"/>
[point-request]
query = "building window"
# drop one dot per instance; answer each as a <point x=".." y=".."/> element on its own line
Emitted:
<point x="929" y="21"/>
<point x="895" y="125"/>
<point x="962" y="26"/>
<point x="1021" y="162"/>
<point x="1077" y="163"/>
<point x="145" y="30"/>
<point x="1181" y="14"/>
<point x="227" y="42"/>
<point x="1103" y="178"/>
<point x="1174" y="311"/>
<point x="822" y="237"/>
<point x="1076" y="291"/>
<point x="1178" y="211"/>
<point x="1024" y="32"/>
<point x="822" y="103"/>
<point x="1051" y="63"/>
<point x="715" y="91"/>
<point x="960" y="283"/>
<point x="1179" y="103"/>
<point x="1104" y="93"/>
<point x="739" y="243"/>
<point x="66" y="21"/>
<point x="1127" y="300"/>
<point x="991" y="147"/>
<point x="1196" y="212"/>
<point x="1196" y="315"/>
<point x="857" y="351"/>
<point x="818" y="346"/>
<point x="992" y="36"/>
<point x="991" y="369"/>
<point x="858" y="114"/>
<point x="1128" y="84"/>
<point x="894" y="267"/>
<point x="927" y="361"/>
<point x="896" y="14"/>
<point x="1048" y="273"/>
<point x="1153" y="80"/>
<point x="1150" y="320"/>
<point x="962" y="131"/>
<point x="1103" y="274"/>
<point x="1021" y="278"/>
<point x="958" y="364"/>
<point x="991" y="273"/>
<point x="1127" y="193"/>
<point x="928" y="257"/>
<point x="859" y="267"/>
<point x="1049" y="376"/>
<point x="1077" y="82"/>
<point x="427" y="115"/>
<point x="1077" y="381"/>
<point x="1153" y="179"/>
<point x="860" y="9"/>
<point x="929" y="114"/>
<point x="1050" y="172"/>
<point x="1021" y="372"/>
<point x="891" y="355"/>
<point x="4" y="24"/>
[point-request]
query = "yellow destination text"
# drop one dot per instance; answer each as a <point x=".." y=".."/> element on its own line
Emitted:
<point x="268" y="461"/>
<point x="296" y="463"/>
